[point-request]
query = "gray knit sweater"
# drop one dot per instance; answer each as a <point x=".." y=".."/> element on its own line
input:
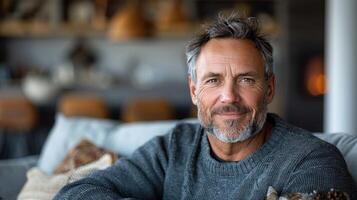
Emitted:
<point x="179" y="165"/>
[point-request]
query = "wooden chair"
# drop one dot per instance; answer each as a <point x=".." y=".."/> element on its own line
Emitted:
<point x="17" y="113"/>
<point x="147" y="110"/>
<point x="18" y="121"/>
<point x="82" y="105"/>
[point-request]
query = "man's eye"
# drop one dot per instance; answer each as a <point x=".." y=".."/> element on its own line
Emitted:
<point x="212" y="80"/>
<point x="248" y="80"/>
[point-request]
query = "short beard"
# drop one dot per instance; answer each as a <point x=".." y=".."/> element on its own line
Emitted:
<point x="233" y="133"/>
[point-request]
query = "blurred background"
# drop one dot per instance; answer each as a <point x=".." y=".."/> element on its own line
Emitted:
<point x="124" y="60"/>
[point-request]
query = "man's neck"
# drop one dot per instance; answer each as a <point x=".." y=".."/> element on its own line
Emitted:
<point x="239" y="150"/>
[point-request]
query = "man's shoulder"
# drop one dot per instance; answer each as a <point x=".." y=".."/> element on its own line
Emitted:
<point x="186" y="132"/>
<point x="310" y="163"/>
<point x="305" y="141"/>
<point x="300" y="141"/>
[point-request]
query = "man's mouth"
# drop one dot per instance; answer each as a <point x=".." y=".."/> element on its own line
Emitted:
<point x="231" y="114"/>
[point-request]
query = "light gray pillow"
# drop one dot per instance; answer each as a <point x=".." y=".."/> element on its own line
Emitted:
<point x="66" y="133"/>
<point x="120" y="138"/>
<point x="125" y="139"/>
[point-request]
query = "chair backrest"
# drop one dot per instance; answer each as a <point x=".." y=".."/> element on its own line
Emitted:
<point x="83" y="105"/>
<point x="147" y="110"/>
<point x="17" y="113"/>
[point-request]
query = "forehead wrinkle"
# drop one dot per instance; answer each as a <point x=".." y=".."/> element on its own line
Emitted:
<point x="233" y="67"/>
<point x="229" y="70"/>
<point x="231" y="61"/>
<point x="221" y="58"/>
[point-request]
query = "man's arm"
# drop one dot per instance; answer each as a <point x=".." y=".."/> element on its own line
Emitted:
<point x="321" y="170"/>
<point x="139" y="177"/>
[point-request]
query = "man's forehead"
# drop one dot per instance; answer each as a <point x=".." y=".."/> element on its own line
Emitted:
<point x="232" y="50"/>
<point x="235" y="61"/>
<point x="219" y="58"/>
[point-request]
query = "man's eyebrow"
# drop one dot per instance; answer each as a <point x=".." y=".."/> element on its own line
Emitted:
<point x="248" y="74"/>
<point x="210" y="74"/>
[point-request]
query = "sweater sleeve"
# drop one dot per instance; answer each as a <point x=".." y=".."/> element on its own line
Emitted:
<point x="321" y="170"/>
<point x="139" y="177"/>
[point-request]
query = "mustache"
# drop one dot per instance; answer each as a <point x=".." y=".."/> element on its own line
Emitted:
<point x="230" y="108"/>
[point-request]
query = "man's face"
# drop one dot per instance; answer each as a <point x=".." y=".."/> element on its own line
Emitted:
<point x="231" y="92"/>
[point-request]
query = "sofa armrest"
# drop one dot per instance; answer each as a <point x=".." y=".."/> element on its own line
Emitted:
<point x="13" y="175"/>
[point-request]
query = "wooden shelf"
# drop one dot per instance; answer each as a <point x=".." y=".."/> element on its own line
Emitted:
<point x="41" y="29"/>
<point x="20" y="29"/>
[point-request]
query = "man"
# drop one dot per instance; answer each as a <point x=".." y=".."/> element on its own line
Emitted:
<point x="237" y="151"/>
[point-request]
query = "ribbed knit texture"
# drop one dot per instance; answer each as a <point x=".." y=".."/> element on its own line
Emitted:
<point x="179" y="165"/>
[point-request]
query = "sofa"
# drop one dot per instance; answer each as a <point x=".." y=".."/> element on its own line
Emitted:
<point x="121" y="138"/>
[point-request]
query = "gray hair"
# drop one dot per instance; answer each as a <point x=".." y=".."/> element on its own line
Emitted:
<point x="233" y="26"/>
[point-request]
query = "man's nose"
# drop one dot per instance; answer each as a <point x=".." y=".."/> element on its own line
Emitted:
<point x="229" y="93"/>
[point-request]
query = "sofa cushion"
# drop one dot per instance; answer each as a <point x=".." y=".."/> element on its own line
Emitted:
<point x="68" y="132"/>
<point x="128" y="137"/>
<point x="122" y="139"/>
<point x="13" y="175"/>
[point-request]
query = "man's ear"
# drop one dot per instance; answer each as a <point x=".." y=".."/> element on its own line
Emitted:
<point x="192" y="86"/>
<point x="271" y="89"/>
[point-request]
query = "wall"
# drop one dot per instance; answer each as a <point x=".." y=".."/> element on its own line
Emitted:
<point x="305" y="39"/>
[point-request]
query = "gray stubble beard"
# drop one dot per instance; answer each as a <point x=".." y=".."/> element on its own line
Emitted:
<point x="235" y="134"/>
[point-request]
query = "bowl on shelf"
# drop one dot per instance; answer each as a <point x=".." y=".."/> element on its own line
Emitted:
<point x="38" y="89"/>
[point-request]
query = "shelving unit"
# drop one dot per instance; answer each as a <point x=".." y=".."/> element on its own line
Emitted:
<point x="58" y="24"/>
<point x="45" y="44"/>
<point x="13" y="29"/>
